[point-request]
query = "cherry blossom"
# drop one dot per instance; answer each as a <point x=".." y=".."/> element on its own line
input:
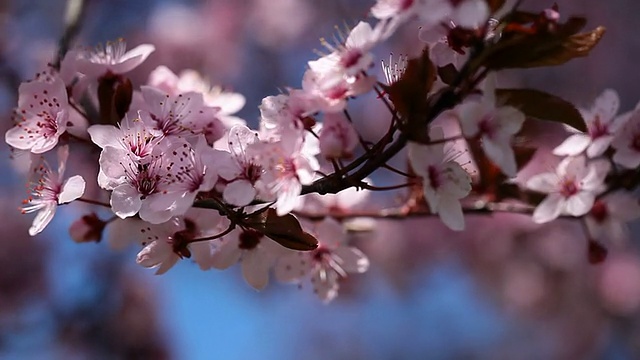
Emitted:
<point x="287" y="167"/>
<point x="43" y="116"/>
<point x="227" y="103"/>
<point x="165" y="244"/>
<point x="286" y="112"/>
<point x="601" y="123"/>
<point x="194" y="171"/>
<point x="445" y="182"/>
<point x="572" y="188"/>
<point x="242" y="169"/>
<point x="609" y="215"/>
<point x="111" y="59"/>
<point x="87" y="228"/>
<point x="256" y="253"/>
<point x="325" y="266"/>
<point x="338" y="138"/>
<point x="183" y="115"/>
<point x="495" y="126"/>
<point x="133" y="136"/>
<point x="627" y="142"/>
<point x="352" y="57"/>
<point x="329" y="91"/>
<point x="49" y="189"/>
<point x="164" y="186"/>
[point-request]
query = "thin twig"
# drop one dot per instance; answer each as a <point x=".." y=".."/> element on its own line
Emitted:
<point x="72" y="23"/>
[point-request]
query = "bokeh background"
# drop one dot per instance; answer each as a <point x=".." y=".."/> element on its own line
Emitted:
<point x="503" y="289"/>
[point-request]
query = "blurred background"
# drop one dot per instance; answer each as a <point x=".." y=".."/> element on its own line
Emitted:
<point x="503" y="289"/>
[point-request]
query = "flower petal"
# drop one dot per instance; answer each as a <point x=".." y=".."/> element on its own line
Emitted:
<point x="228" y="253"/>
<point x="573" y="145"/>
<point x="450" y="212"/>
<point x="239" y="193"/>
<point x="255" y="268"/>
<point x="125" y="201"/>
<point x="72" y="189"/>
<point x="351" y="259"/>
<point x="549" y="209"/>
<point x="580" y="203"/>
<point x="292" y="267"/>
<point x="42" y="219"/>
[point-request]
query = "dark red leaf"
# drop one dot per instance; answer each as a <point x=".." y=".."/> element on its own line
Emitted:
<point x="541" y="105"/>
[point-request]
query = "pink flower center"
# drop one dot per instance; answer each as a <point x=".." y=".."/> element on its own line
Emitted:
<point x="569" y="188"/>
<point x="48" y="125"/>
<point x="320" y="254"/>
<point x="252" y="172"/>
<point x="599" y="211"/>
<point x="486" y="126"/>
<point x="145" y="182"/>
<point x="350" y="58"/>
<point x="286" y="167"/>
<point x="598" y="129"/>
<point x="434" y="177"/>
<point x="337" y="92"/>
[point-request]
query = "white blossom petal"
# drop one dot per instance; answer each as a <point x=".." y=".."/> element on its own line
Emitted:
<point x="549" y="209"/>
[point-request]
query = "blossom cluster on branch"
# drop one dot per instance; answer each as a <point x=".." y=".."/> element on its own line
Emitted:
<point x="186" y="178"/>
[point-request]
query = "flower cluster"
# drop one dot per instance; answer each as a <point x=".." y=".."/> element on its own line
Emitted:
<point x="186" y="178"/>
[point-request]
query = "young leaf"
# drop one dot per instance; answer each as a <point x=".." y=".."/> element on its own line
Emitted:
<point x="285" y="230"/>
<point x="524" y="50"/>
<point x="541" y="105"/>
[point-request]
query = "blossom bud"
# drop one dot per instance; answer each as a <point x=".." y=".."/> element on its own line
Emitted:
<point x="87" y="228"/>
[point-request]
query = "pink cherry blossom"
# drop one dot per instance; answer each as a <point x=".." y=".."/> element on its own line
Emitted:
<point x="325" y="266"/>
<point x="609" y="215"/>
<point x="48" y="190"/>
<point x="495" y="126"/>
<point x="193" y="171"/>
<point x="286" y="112"/>
<point x="166" y="243"/>
<point x="338" y="137"/>
<point x="256" y="253"/>
<point x="183" y="115"/>
<point x="242" y="169"/>
<point x="43" y="115"/>
<point x="287" y="167"/>
<point x="228" y="103"/>
<point x="132" y="136"/>
<point x="572" y="188"/>
<point x="111" y="59"/>
<point x="445" y="182"/>
<point x="627" y="142"/>
<point x="330" y="91"/>
<point x="351" y="57"/>
<point x="601" y="122"/>
<point x="163" y="187"/>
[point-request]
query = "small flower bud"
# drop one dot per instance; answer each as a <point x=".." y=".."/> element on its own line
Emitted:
<point x="87" y="228"/>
